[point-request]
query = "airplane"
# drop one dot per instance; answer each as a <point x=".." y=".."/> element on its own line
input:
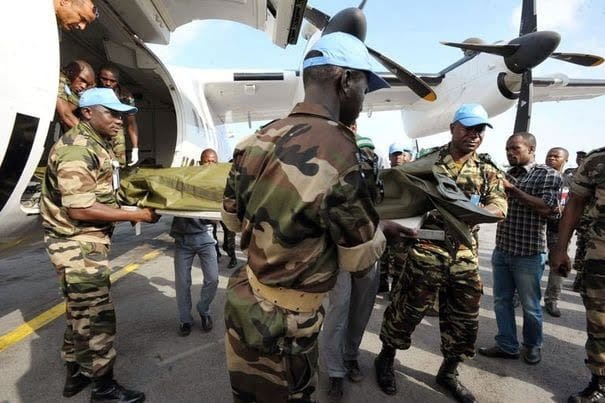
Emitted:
<point x="182" y="111"/>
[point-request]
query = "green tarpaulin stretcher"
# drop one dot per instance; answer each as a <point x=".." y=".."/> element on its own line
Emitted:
<point x="409" y="191"/>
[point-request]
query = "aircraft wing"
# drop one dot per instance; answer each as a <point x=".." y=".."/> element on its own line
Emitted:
<point x="248" y="96"/>
<point x="240" y="96"/>
<point x="154" y="20"/>
<point x="399" y="96"/>
<point x="563" y="88"/>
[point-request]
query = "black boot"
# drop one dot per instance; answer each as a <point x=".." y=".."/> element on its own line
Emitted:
<point x="106" y="389"/>
<point x="385" y="375"/>
<point x="594" y="393"/>
<point x="448" y="378"/>
<point x="74" y="381"/>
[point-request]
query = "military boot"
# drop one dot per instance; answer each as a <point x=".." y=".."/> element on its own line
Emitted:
<point x="75" y="381"/>
<point x="448" y="378"/>
<point x="385" y="375"/>
<point x="106" y="389"/>
<point x="594" y="393"/>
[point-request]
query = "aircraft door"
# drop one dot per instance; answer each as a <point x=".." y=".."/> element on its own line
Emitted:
<point x="29" y="75"/>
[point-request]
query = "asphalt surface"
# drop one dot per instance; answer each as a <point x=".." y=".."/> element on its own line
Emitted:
<point x="169" y="368"/>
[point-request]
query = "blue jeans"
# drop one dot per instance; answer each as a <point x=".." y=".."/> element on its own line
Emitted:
<point x="186" y="248"/>
<point x="522" y="273"/>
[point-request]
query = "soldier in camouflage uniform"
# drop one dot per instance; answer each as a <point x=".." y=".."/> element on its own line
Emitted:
<point x="447" y="267"/>
<point x="78" y="208"/>
<point x="351" y="300"/>
<point x="581" y="228"/>
<point x="75" y="77"/>
<point x="297" y="194"/>
<point x="588" y="187"/>
<point x="109" y="77"/>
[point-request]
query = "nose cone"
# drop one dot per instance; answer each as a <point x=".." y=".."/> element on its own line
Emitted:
<point x="350" y="20"/>
<point x="533" y="49"/>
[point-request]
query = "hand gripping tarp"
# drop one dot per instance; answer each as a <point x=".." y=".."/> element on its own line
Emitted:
<point x="415" y="188"/>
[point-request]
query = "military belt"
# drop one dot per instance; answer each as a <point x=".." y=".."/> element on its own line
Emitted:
<point x="286" y="298"/>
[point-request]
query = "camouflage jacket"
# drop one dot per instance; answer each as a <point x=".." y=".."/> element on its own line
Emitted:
<point x="478" y="178"/>
<point x="297" y="194"/>
<point x="65" y="92"/>
<point x="79" y="173"/>
<point x="589" y="181"/>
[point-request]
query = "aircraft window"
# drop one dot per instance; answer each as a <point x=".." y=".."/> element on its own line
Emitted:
<point x="17" y="154"/>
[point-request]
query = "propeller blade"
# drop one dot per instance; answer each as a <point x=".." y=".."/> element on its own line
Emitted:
<point x="523" y="118"/>
<point x="579" y="58"/>
<point x="529" y="20"/>
<point x="362" y="4"/>
<point x="501" y="50"/>
<point x="316" y="17"/>
<point x="415" y="83"/>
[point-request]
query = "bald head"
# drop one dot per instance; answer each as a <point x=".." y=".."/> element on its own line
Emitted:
<point x="208" y="157"/>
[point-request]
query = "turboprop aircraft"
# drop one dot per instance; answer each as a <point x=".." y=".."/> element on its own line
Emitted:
<point x="174" y="123"/>
<point x="183" y="111"/>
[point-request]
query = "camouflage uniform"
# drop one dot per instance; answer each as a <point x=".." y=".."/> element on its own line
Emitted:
<point x="297" y="194"/>
<point x="79" y="173"/>
<point x="64" y="91"/>
<point x="589" y="181"/>
<point x="119" y="140"/>
<point x="446" y="267"/>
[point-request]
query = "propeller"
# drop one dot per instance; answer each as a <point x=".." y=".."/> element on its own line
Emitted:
<point x="525" y="52"/>
<point x="352" y="21"/>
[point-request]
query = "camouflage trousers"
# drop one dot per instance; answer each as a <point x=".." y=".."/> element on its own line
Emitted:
<point x="83" y="269"/>
<point x="272" y="353"/>
<point x="393" y="259"/>
<point x="118" y="143"/>
<point x="457" y="281"/>
<point x="553" y="287"/>
<point x="593" y="296"/>
<point x="581" y="241"/>
<point x="228" y="240"/>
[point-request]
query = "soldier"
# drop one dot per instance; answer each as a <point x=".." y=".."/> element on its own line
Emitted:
<point x="556" y="158"/>
<point x="394" y="254"/>
<point x="75" y="77"/>
<point x="581" y="227"/>
<point x="109" y="77"/>
<point x="75" y="15"/>
<point x="588" y="188"/>
<point x="78" y="208"/>
<point x="445" y="266"/>
<point x="297" y="194"/>
<point x="350" y="301"/>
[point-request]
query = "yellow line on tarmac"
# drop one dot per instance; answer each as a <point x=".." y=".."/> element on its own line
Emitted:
<point x="29" y="327"/>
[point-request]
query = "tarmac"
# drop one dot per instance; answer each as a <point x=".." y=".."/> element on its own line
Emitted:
<point x="169" y="368"/>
